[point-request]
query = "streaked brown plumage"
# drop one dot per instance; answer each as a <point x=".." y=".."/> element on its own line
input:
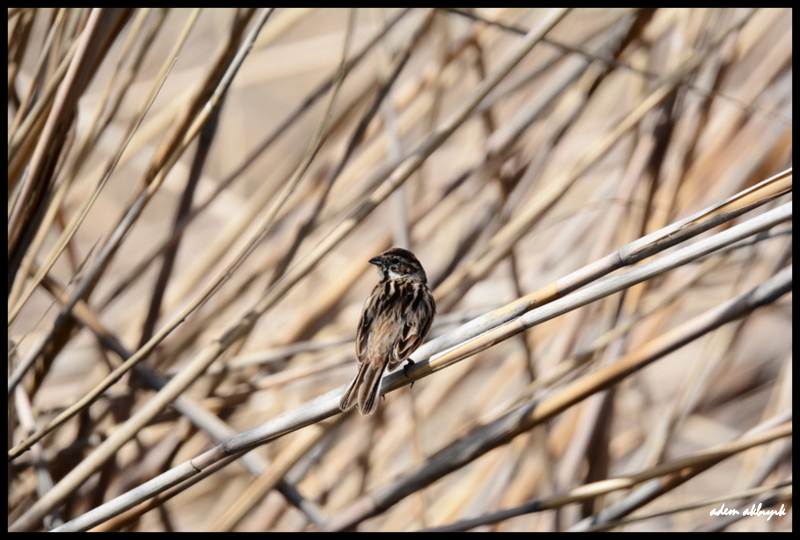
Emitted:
<point x="395" y="320"/>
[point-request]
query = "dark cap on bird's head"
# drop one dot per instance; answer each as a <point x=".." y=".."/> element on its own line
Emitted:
<point x="398" y="262"/>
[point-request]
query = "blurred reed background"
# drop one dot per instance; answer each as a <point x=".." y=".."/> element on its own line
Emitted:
<point x="198" y="193"/>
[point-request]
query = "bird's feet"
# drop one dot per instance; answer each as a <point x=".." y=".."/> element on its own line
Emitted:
<point x="407" y="365"/>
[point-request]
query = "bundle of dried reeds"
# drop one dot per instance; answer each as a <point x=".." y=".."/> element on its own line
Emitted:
<point x="601" y="199"/>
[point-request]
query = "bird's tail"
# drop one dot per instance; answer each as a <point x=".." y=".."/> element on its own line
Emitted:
<point x="363" y="391"/>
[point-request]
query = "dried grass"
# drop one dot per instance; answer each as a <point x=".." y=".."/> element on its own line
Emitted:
<point x="602" y="199"/>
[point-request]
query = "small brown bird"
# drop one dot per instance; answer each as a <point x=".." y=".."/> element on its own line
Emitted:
<point x="395" y="320"/>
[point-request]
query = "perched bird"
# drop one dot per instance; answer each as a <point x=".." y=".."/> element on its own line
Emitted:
<point x="395" y="320"/>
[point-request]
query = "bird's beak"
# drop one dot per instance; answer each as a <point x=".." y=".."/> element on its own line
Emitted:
<point x="376" y="260"/>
